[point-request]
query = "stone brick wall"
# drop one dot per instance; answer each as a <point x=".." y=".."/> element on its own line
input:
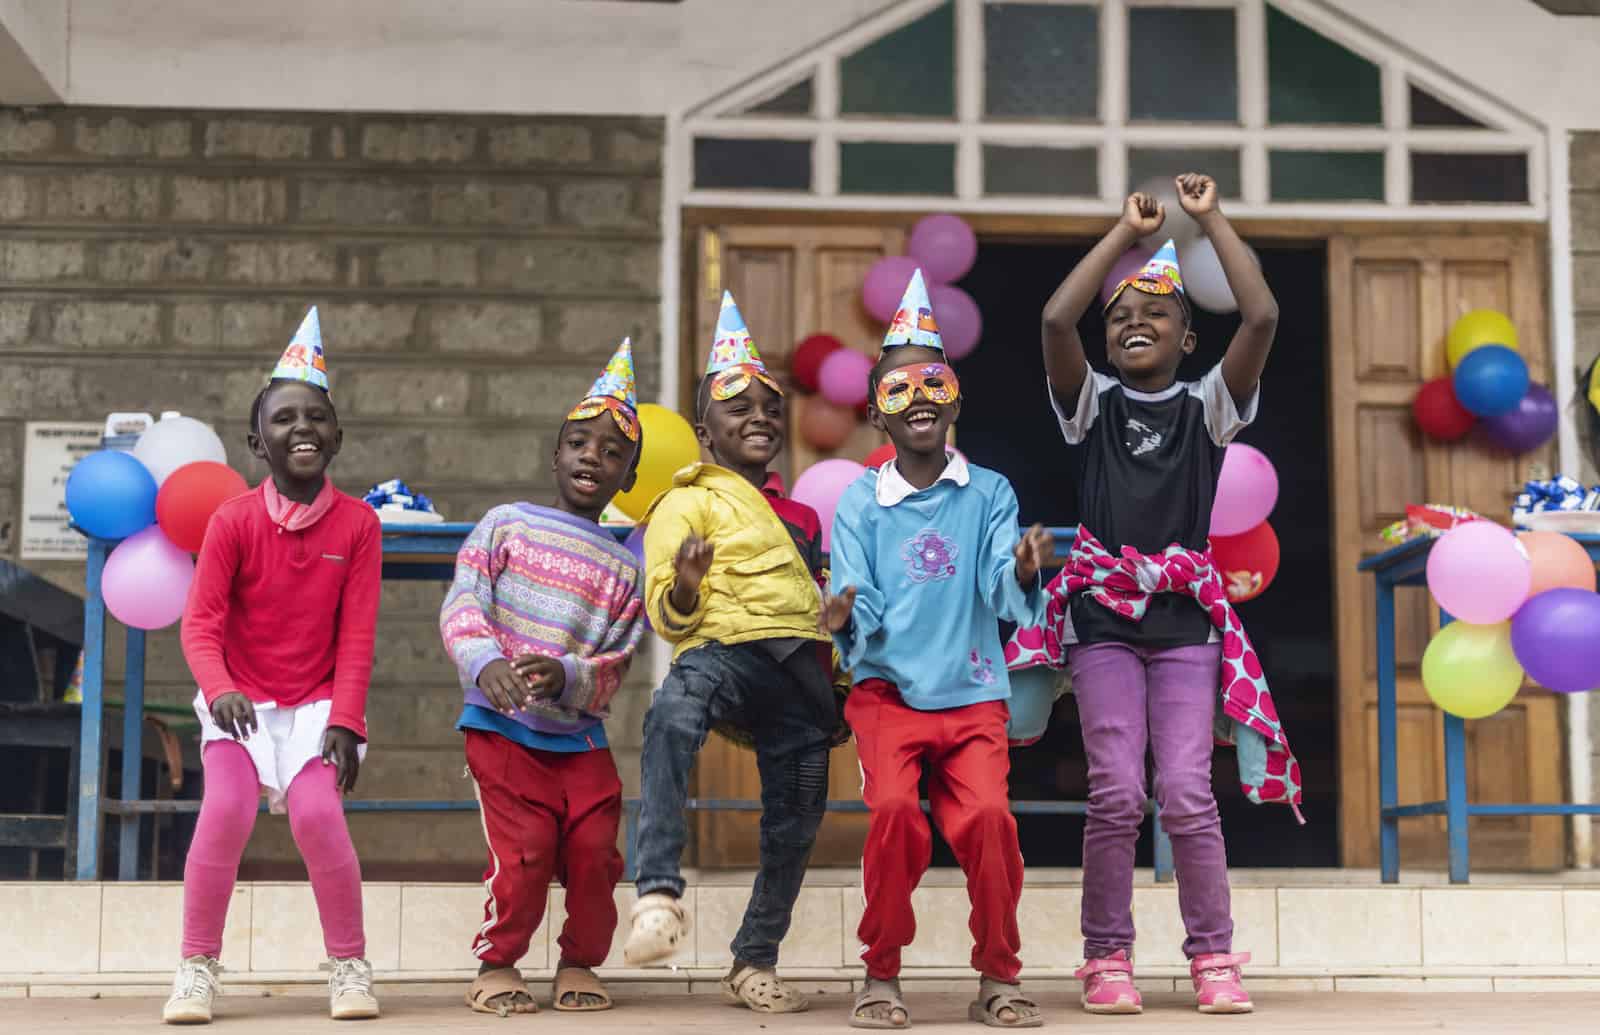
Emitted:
<point x="473" y="275"/>
<point x="1584" y="173"/>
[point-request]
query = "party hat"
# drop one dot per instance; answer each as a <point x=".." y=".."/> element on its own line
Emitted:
<point x="614" y="390"/>
<point x="913" y="322"/>
<point x="732" y="345"/>
<point x="303" y="360"/>
<point x="1159" y="276"/>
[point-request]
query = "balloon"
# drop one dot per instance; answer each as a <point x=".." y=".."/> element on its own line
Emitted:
<point x="1439" y="414"/>
<point x="820" y="486"/>
<point x="669" y="444"/>
<point x="843" y="377"/>
<point x="1033" y="698"/>
<point x="1556" y="561"/>
<point x="1528" y="425"/>
<point x="806" y="363"/>
<point x="944" y="246"/>
<point x="884" y="453"/>
<point x="960" y="322"/>
<point x="175" y="441"/>
<point x="1178" y="224"/>
<point x="1479" y="573"/>
<point x="187" y="500"/>
<point x="1476" y="329"/>
<point x="1247" y="490"/>
<point x="1203" y="279"/>
<point x="111" y="495"/>
<point x="1248" y="562"/>
<point x="884" y="285"/>
<point x="1132" y="262"/>
<point x="635" y="543"/>
<point x="1554" y="639"/>
<point x="1471" y="670"/>
<point x="1491" y="380"/>
<point x="826" y="426"/>
<point x="146" y="581"/>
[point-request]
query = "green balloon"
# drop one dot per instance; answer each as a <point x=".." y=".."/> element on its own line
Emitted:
<point x="1471" y="670"/>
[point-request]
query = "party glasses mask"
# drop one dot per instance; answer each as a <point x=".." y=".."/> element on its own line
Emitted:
<point x="897" y="387"/>
<point x="725" y="384"/>
<point x="621" y="412"/>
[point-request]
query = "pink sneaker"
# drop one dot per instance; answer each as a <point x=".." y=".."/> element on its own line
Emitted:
<point x="1108" y="985"/>
<point x="1218" y="987"/>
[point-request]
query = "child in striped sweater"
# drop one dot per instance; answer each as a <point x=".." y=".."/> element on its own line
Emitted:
<point x="541" y="621"/>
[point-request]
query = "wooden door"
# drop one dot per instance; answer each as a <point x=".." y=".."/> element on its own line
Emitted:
<point x="790" y="282"/>
<point x="1392" y="300"/>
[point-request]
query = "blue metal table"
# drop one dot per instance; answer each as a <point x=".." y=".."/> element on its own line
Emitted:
<point x="1406" y="565"/>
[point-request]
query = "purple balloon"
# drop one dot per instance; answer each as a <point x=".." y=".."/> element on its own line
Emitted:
<point x="885" y="283"/>
<point x="960" y="322"/>
<point x="635" y="545"/>
<point x="1132" y="262"/>
<point x="1528" y="426"/>
<point x="1553" y="635"/>
<point x="944" y="246"/>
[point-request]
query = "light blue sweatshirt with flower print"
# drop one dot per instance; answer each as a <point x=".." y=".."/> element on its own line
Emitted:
<point x="934" y="571"/>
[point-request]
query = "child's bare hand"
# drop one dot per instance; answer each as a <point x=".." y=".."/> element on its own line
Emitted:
<point x="1197" y="193"/>
<point x="1144" y="214"/>
<point x="502" y="686"/>
<point x="544" y="676"/>
<point x="339" y="750"/>
<point x="835" y="611"/>
<point x="692" y="562"/>
<point x="1034" y="550"/>
<point x="234" y="715"/>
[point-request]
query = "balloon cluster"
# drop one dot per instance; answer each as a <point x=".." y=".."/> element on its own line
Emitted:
<point x="1489" y="381"/>
<point x="1204" y="282"/>
<point x="945" y="248"/>
<point x="1243" y="546"/>
<point x="837" y="378"/>
<point x="157" y="500"/>
<point x="1525" y="605"/>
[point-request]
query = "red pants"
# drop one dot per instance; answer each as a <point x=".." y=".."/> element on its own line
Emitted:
<point x="965" y="751"/>
<point x="546" y="814"/>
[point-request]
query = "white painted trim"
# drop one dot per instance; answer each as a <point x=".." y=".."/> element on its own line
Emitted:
<point x="969" y="73"/>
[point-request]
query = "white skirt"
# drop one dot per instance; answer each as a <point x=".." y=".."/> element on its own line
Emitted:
<point x="286" y="739"/>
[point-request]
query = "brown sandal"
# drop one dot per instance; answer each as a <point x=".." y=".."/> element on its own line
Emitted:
<point x="577" y="981"/>
<point x="505" y="981"/>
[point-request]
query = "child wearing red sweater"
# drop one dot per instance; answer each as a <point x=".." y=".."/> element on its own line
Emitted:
<point x="278" y="633"/>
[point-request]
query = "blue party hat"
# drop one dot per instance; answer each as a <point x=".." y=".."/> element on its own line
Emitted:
<point x="913" y="322"/>
<point x="303" y="360"/>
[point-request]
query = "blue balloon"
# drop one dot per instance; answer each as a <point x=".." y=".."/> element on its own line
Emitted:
<point x="1491" y="380"/>
<point x="111" y="495"/>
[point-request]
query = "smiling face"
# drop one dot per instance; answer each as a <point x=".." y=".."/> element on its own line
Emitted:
<point x="920" y="428"/>
<point x="743" y="433"/>
<point x="296" y="431"/>
<point x="1147" y="336"/>
<point x="593" y="462"/>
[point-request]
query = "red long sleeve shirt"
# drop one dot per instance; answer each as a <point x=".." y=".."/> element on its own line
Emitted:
<point x="287" y="617"/>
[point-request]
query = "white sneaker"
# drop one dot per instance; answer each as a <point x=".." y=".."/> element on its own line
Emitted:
<point x="660" y="923"/>
<point x="350" y="995"/>
<point x="193" y="988"/>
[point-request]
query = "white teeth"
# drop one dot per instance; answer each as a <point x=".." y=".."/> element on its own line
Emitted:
<point x="1137" y="340"/>
<point x="304" y="447"/>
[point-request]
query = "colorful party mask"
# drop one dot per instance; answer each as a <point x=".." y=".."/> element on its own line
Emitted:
<point x="1159" y="276"/>
<point x="614" y="390"/>
<point x="898" y="387"/>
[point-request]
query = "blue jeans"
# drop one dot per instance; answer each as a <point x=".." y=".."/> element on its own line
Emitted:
<point x="778" y="703"/>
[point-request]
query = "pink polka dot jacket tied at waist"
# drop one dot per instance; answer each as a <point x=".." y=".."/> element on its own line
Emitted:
<point x="1247" y="719"/>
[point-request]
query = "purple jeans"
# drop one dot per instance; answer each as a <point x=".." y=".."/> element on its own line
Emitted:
<point x="1128" y="697"/>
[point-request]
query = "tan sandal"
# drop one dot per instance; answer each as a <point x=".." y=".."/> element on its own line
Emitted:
<point x="504" y="981"/>
<point x="575" y="982"/>
<point x="762" y="991"/>
<point x="994" y="996"/>
<point x="880" y="993"/>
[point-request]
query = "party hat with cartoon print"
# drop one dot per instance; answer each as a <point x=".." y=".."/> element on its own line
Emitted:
<point x="913" y="322"/>
<point x="614" y="390"/>
<point x="303" y="360"/>
<point x="1159" y="276"/>
<point x="734" y="361"/>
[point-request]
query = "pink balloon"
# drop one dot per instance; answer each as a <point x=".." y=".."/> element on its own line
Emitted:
<point x="885" y="283"/>
<point x="944" y="246"/>
<point x="960" y="322"/>
<point x="1247" y="490"/>
<point x="1132" y="262"/>
<point x="146" y="580"/>
<point x="1479" y="572"/>
<point x="843" y="377"/>
<point x="820" y="486"/>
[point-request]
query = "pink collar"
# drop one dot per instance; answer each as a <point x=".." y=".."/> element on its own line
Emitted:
<point x="290" y="516"/>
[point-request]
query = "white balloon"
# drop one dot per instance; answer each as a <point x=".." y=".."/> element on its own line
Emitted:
<point x="175" y="441"/>
<point x="1203" y="279"/>
<point x="1178" y="224"/>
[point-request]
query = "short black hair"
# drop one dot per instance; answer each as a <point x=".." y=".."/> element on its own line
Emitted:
<point x="700" y="399"/>
<point x="261" y="400"/>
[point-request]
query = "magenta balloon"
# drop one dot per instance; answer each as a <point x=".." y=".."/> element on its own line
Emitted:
<point x="843" y="377"/>
<point x="1479" y="572"/>
<point x="960" y="322"/>
<point x="1247" y="490"/>
<point x="820" y="486"/>
<point x="1553" y="637"/>
<point x="1132" y="262"/>
<point x="884" y="285"/>
<point x="944" y="246"/>
<point x="146" y="580"/>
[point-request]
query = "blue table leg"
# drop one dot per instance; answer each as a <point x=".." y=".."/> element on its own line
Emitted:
<point x="132" y="755"/>
<point x="1455" y="797"/>
<point x="89" y="746"/>
<point x="1388" y="764"/>
<point x="1163" y="849"/>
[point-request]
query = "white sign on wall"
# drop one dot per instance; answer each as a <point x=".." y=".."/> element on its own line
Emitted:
<point x="51" y="449"/>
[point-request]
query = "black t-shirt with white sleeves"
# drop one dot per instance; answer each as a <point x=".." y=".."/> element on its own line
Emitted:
<point x="1148" y="479"/>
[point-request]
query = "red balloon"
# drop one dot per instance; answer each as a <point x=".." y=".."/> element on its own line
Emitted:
<point x="189" y="497"/>
<point x="824" y="425"/>
<point x="1438" y="413"/>
<point x="806" y="362"/>
<point x="1248" y="561"/>
<point x="880" y="456"/>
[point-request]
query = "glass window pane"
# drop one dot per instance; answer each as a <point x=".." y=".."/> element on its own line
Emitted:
<point x="870" y="167"/>
<point x="1428" y="110"/>
<point x="1327" y="175"/>
<point x="1041" y="61"/>
<point x="1311" y="79"/>
<point x="794" y="100"/>
<point x="1048" y="171"/>
<point x="911" y="71"/>
<point x="1184" y="65"/>
<point x="758" y="164"/>
<point x="1452" y="178"/>
<point x="1165" y="163"/>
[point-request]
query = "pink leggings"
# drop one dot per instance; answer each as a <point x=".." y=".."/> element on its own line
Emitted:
<point x="227" y="815"/>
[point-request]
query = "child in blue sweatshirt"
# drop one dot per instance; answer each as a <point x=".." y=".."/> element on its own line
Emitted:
<point x="926" y="560"/>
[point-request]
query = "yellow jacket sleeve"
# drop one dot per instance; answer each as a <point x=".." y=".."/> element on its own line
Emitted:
<point x="679" y="513"/>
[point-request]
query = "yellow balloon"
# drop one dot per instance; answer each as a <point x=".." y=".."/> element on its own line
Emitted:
<point x="1470" y="670"/>
<point x="1476" y="329"/>
<point x="669" y="444"/>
